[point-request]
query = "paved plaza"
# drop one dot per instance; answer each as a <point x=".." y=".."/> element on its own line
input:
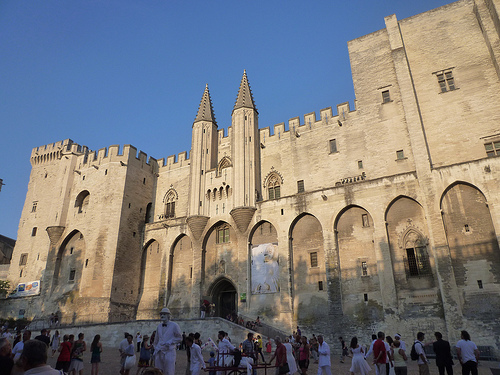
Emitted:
<point x="111" y="364"/>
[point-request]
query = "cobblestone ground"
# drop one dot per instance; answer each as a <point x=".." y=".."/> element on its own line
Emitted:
<point x="111" y="365"/>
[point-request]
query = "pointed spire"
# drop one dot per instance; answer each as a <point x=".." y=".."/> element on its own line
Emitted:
<point x="245" y="97"/>
<point x="205" y="110"/>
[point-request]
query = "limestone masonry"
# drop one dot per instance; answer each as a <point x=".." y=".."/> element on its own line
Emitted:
<point x="381" y="217"/>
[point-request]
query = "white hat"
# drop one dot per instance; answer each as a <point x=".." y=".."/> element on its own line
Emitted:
<point x="165" y="310"/>
<point x="397" y="335"/>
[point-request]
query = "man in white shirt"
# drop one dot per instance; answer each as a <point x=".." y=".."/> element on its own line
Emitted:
<point x="467" y="354"/>
<point x="122" y="347"/>
<point x="7" y="335"/>
<point x="197" y="361"/>
<point x="423" y="363"/>
<point x="168" y="335"/>
<point x="18" y="348"/>
<point x="324" y="363"/>
<point x="225" y="347"/>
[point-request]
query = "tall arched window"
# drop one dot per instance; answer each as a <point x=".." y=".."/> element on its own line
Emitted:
<point x="169" y="201"/>
<point x="273" y="185"/>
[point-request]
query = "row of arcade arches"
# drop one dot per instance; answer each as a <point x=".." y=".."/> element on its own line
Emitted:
<point x="464" y="210"/>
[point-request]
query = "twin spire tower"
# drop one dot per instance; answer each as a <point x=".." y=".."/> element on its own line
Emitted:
<point x="240" y="158"/>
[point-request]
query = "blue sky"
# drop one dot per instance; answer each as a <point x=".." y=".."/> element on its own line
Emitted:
<point x="105" y="72"/>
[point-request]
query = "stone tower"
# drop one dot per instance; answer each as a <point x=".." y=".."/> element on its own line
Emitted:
<point x="245" y="153"/>
<point x="203" y="153"/>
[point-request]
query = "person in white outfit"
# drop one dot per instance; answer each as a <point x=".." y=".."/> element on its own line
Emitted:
<point x="358" y="364"/>
<point x="324" y="363"/>
<point x="197" y="361"/>
<point x="292" y="364"/>
<point x="225" y="348"/>
<point x="168" y="335"/>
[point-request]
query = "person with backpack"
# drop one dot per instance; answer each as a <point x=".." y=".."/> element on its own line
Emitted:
<point x="418" y="354"/>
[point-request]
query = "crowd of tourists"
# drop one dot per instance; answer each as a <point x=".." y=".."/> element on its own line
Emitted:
<point x="385" y="355"/>
<point x="29" y="356"/>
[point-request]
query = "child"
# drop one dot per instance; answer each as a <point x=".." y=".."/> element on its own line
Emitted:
<point x="211" y="363"/>
<point x="268" y="346"/>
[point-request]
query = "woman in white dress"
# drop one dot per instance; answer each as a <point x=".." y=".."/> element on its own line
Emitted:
<point x="359" y="364"/>
<point x="292" y="364"/>
<point x="55" y="343"/>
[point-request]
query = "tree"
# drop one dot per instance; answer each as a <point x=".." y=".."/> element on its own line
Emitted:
<point x="4" y="287"/>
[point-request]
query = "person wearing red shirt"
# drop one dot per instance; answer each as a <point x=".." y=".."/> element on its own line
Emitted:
<point x="380" y="354"/>
<point x="65" y="357"/>
<point x="279" y="354"/>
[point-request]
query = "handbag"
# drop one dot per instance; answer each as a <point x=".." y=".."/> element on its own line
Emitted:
<point x="284" y="369"/>
<point x="129" y="362"/>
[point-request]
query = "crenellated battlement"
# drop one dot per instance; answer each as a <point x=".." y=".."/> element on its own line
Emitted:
<point x="87" y="157"/>
<point x="310" y="122"/>
<point x="53" y="151"/>
<point x="127" y="156"/>
<point x="173" y="161"/>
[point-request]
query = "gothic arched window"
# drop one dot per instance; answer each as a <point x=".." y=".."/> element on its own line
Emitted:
<point x="273" y="185"/>
<point x="169" y="201"/>
<point x="417" y="260"/>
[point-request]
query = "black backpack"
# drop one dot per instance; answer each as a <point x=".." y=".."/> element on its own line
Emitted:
<point x="413" y="354"/>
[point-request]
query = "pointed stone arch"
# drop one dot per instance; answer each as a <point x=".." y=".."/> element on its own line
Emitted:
<point x="354" y="235"/>
<point x="408" y="236"/>
<point x="220" y="243"/>
<point x="474" y="248"/>
<point x="223" y="292"/>
<point x="225" y="162"/>
<point x="263" y="256"/>
<point x="307" y="261"/>
<point x="180" y="277"/>
<point x="151" y="280"/>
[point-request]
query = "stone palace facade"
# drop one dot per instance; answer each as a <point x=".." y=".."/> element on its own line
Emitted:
<point x="385" y="216"/>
